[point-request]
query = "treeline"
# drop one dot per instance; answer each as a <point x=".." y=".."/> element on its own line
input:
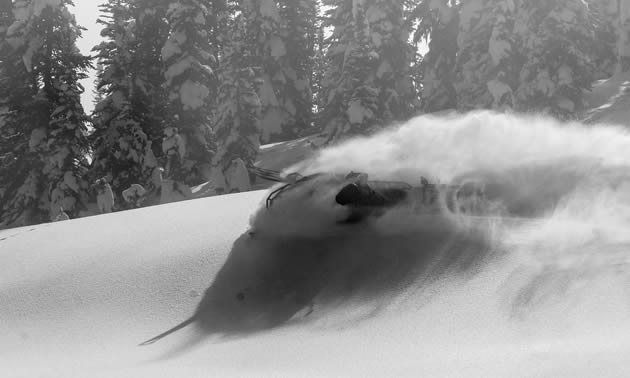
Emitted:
<point x="187" y="90"/>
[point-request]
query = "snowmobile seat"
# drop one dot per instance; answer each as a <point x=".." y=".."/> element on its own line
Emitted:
<point x="365" y="202"/>
<point x="356" y="194"/>
<point x="360" y="195"/>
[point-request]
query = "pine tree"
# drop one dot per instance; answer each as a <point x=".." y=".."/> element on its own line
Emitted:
<point x="437" y="21"/>
<point x="319" y="68"/>
<point x="43" y="119"/>
<point x="304" y="43"/>
<point x="267" y="47"/>
<point x="556" y="38"/>
<point x="341" y="53"/>
<point x="522" y="55"/>
<point x="487" y="61"/>
<point x="130" y="120"/>
<point x="368" y="83"/>
<point x="606" y="18"/>
<point x="149" y="98"/>
<point x="97" y="95"/>
<point x="191" y="81"/>
<point x="350" y="102"/>
<point x="15" y="91"/>
<point x="418" y="49"/>
<point x="389" y="35"/>
<point x="622" y="25"/>
<point x="507" y="59"/>
<point x="123" y="150"/>
<point x="237" y="121"/>
<point x="287" y="51"/>
<point x="611" y="51"/>
<point x="6" y="16"/>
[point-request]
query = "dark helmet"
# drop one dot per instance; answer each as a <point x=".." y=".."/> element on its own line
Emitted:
<point x="349" y="194"/>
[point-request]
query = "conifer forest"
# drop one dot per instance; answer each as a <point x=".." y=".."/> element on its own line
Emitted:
<point x="187" y="91"/>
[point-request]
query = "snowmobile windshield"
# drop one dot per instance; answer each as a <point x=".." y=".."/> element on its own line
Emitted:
<point x="293" y="181"/>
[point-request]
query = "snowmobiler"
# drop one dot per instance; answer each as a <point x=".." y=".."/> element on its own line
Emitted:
<point x="371" y="198"/>
<point x="364" y="198"/>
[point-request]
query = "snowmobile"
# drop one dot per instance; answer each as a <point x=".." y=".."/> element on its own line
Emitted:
<point x="364" y="198"/>
<point x="372" y="198"/>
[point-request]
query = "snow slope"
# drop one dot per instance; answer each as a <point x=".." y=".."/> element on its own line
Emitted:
<point x="540" y="289"/>
<point x="609" y="101"/>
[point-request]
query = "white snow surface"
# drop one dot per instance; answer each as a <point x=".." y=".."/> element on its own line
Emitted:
<point x="609" y="101"/>
<point x="542" y="292"/>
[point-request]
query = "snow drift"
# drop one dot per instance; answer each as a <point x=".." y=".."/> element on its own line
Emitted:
<point x="539" y="288"/>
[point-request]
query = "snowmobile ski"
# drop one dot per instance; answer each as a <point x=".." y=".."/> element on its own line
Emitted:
<point x="172" y="330"/>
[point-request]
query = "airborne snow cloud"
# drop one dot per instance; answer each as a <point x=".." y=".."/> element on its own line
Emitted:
<point x="444" y="147"/>
<point x="563" y="186"/>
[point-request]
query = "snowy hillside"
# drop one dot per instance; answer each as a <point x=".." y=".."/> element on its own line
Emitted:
<point x="609" y="101"/>
<point x="541" y="289"/>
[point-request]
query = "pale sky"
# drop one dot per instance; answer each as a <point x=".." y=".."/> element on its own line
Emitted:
<point x="86" y="12"/>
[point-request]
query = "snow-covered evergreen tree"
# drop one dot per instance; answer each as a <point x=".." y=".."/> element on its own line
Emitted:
<point x="15" y="91"/>
<point x="606" y="19"/>
<point x="368" y="82"/>
<point x="47" y="128"/>
<point x="611" y="52"/>
<point x="437" y="21"/>
<point x="287" y="46"/>
<point x="237" y="121"/>
<point x="130" y="120"/>
<point x="149" y="96"/>
<point x="191" y="82"/>
<point x="389" y="37"/>
<point x="123" y="152"/>
<point x="97" y="95"/>
<point x="348" y="64"/>
<point x="623" y="36"/>
<point x="319" y="67"/>
<point x="488" y="62"/>
<point x="6" y="15"/>
<point x="267" y="46"/>
<point x="527" y="55"/>
<point x="556" y="39"/>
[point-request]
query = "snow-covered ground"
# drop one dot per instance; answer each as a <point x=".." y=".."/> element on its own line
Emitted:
<point x="609" y="101"/>
<point x="540" y="290"/>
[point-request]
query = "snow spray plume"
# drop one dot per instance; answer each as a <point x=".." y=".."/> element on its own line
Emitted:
<point x="443" y="148"/>
<point x="560" y="191"/>
<point x="571" y="180"/>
